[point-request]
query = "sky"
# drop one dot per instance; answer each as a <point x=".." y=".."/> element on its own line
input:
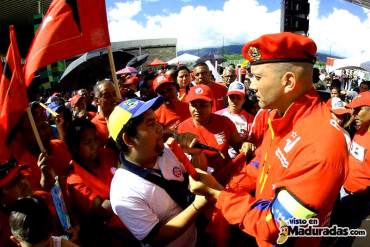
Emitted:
<point x="337" y="26"/>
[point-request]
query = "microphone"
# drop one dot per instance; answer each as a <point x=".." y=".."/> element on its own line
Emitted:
<point x="198" y="145"/>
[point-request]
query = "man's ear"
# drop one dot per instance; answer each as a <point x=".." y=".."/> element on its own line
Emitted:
<point x="15" y="240"/>
<point x="129" y="141"/>
<point x="289" y="81"/>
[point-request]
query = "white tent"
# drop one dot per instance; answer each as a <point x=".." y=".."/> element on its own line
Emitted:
<point x="185" y="58"/>
<point x="350" y="63"/>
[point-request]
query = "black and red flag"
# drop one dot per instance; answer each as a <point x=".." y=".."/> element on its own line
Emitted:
<point x="14" y="100"/>
<point x="70" y="27"/>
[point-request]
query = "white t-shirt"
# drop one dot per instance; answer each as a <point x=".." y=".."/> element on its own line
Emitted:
<point x="243" y="123"/>
<point x="140" y="204"/>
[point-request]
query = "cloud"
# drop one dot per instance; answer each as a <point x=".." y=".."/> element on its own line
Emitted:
<point x="339" y="32"/>
<point x="186" y="1"/>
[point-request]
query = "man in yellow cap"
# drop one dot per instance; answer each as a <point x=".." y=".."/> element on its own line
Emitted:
<point x="150" y="193"/>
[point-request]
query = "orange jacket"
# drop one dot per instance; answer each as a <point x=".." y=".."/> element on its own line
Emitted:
<point x="303" y="156"/>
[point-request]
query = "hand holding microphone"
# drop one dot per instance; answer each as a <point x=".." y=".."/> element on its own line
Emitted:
<point x="189" y="143"/>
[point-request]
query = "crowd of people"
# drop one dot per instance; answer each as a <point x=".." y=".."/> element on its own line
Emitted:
<point x="269" y="144"/>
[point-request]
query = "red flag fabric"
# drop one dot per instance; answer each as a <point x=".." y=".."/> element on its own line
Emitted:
<point x="4" y="80"/>
<point x="15" y="100"/>
<point x="1" y="85"/>
<point x="70" y="27"/>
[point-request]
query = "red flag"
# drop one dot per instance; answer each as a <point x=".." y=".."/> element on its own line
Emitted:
<point x="5" y="77"/>
<point x="2" y="86"/>
<point x="15" y="100"/>
<point x="70" y="27"/>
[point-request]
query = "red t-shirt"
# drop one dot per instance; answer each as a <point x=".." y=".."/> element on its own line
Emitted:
<point x="259" y="127"/>
<point x="172" y="117"/>
<point x="182" y="94"/>
<point x="219" y="92"/>
<point x="217" y="133"/>
<point x="91" y="114"/>
<point x="101" y="128"/>
<point x="359" y="164"/>
<point x="84" y="186"/>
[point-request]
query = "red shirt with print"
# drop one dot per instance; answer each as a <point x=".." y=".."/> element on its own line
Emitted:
<point x="359" y="164"/>
<point x="219" y="92"/>
<point x="217" y="133"/>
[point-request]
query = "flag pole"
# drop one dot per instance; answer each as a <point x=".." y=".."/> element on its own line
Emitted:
<point x="35" y="131"/>
<point x="113" y="71"/>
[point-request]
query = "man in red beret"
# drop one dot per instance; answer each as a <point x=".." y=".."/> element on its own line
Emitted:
<point x="304" y="156"/>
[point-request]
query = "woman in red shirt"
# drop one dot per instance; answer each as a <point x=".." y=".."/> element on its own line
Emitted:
<point x="212" y="130"/>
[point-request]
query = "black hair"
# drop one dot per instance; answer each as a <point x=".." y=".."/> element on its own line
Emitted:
<point x="365" y="83"/>
<point x="200" y="64"/>
<point x="181" y="67"/>
<point x="315" y="75"/>
<point x="74" y="134"/>
<point x="30" y="220"/>
<point x="130" y="129"/>
<point x="336" y="83"/>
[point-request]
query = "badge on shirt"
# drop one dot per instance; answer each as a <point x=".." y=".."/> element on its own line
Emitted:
<point x="358" y="151"/>
<point x="220" y="138"/>
<point x="291" y="142"/>
<point x="177" y="171"/>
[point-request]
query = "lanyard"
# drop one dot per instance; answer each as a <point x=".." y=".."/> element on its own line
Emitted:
<point x="264" y="174"/>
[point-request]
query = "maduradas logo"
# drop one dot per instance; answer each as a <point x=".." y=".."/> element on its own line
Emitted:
<point x="311" y="228"/>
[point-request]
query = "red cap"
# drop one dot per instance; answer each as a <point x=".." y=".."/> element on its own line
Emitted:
<point x="363" y="99"/>
<point x="8" y="171"/>
<point x="202" y="92"/>
<point x="74" y="100"/>
<point x="131" y="80"/>
<point x="162" y="79"/>
<point x="280" y="47"/>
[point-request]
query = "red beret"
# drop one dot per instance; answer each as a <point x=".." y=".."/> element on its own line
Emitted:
<point x="280" y="47"/>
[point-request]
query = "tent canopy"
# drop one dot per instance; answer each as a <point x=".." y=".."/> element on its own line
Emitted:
<point x="183" y="59"/>
<point x="157" y="62"/>
<point x="350" y="63"/>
